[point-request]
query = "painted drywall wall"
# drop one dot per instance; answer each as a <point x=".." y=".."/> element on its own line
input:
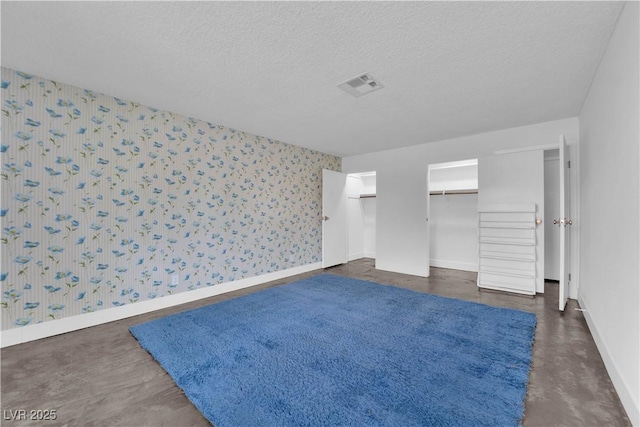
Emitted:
<point x="402" y="241"/>
<point x="105" y="200"/>
<point x="369" y="220"/>
<point x="551" y="211"/>
<point x="368" y="206"/>
<point x="443" y="177"/>
<point x="609" y="209"/>
<point x="453" y="219"/>
<point x="361" y="215"/>
<point x="355" y="218"/>
<point x="453" y="231"/>
<point x="368" y="183"/>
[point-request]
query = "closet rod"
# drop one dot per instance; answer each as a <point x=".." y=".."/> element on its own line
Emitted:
<point x="447" y="192"/>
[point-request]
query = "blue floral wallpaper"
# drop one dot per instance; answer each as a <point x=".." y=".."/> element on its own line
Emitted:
<point x="104" y="200"/>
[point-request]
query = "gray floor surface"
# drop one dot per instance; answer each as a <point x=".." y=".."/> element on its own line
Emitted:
<point x="100" y="376"/>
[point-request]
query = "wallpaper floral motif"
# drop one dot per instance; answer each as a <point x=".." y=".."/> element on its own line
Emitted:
<point x="104" y="200"/>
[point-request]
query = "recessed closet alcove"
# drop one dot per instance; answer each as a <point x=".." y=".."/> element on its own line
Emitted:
<point x="453" y="215"/>
<point x="361" y="213"/>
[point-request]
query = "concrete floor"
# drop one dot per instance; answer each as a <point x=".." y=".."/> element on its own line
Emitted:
<point x="100" y="376"/>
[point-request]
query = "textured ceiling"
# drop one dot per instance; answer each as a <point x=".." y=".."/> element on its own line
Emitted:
<point x="271" y="68"/>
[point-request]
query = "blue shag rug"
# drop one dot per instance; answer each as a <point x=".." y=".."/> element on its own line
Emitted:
<point x="335" y="351"/>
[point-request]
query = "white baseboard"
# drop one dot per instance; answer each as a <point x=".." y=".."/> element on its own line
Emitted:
<point x="360" y="255"/>
<point x="622" y="388"/>
<point x="356" y="255"/>
<point x="455" y="265"/>
<point x="412" y="269"/>
<point x="73" y="323"/>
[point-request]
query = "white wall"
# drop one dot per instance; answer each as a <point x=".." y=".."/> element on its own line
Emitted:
<point x="609" y="209"/>
<point x="453" y="231"/>
<point x="355" y="222"/>
<point x="551" y="211"/>
<point x="401" y="241"/>
<point x="453" y="219"/>
<point x="453" y="177"/>
<point x="369" y="218"/>
<point x="368" y="207"/>
<point x="361" y="216"/>
<point x="369" y="183"/>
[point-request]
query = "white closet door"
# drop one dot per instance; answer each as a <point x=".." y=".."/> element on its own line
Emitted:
<point x="516" y="179"/>
<point x="334" y="218"/>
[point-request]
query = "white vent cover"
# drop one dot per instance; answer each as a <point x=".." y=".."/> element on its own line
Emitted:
<point x="360" y="85"/>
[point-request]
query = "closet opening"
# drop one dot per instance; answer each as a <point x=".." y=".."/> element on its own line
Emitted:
<point x="452" y="204"/>
<point x="551" y="209"/>
<point x="361" y="215"/>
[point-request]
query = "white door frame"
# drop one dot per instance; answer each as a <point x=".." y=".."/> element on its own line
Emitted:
<point x="564" y="222"/>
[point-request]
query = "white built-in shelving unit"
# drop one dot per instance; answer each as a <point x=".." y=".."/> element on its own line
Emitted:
<point x="507" y="247"/>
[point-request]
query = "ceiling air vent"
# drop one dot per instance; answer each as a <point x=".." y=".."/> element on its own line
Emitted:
<point x="360" y="85"/>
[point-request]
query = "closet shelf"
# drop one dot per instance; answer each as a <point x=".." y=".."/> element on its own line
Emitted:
<point x="432" y="193"/>
<point x="361" y="196"/>
<point x="448" y="192"/>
